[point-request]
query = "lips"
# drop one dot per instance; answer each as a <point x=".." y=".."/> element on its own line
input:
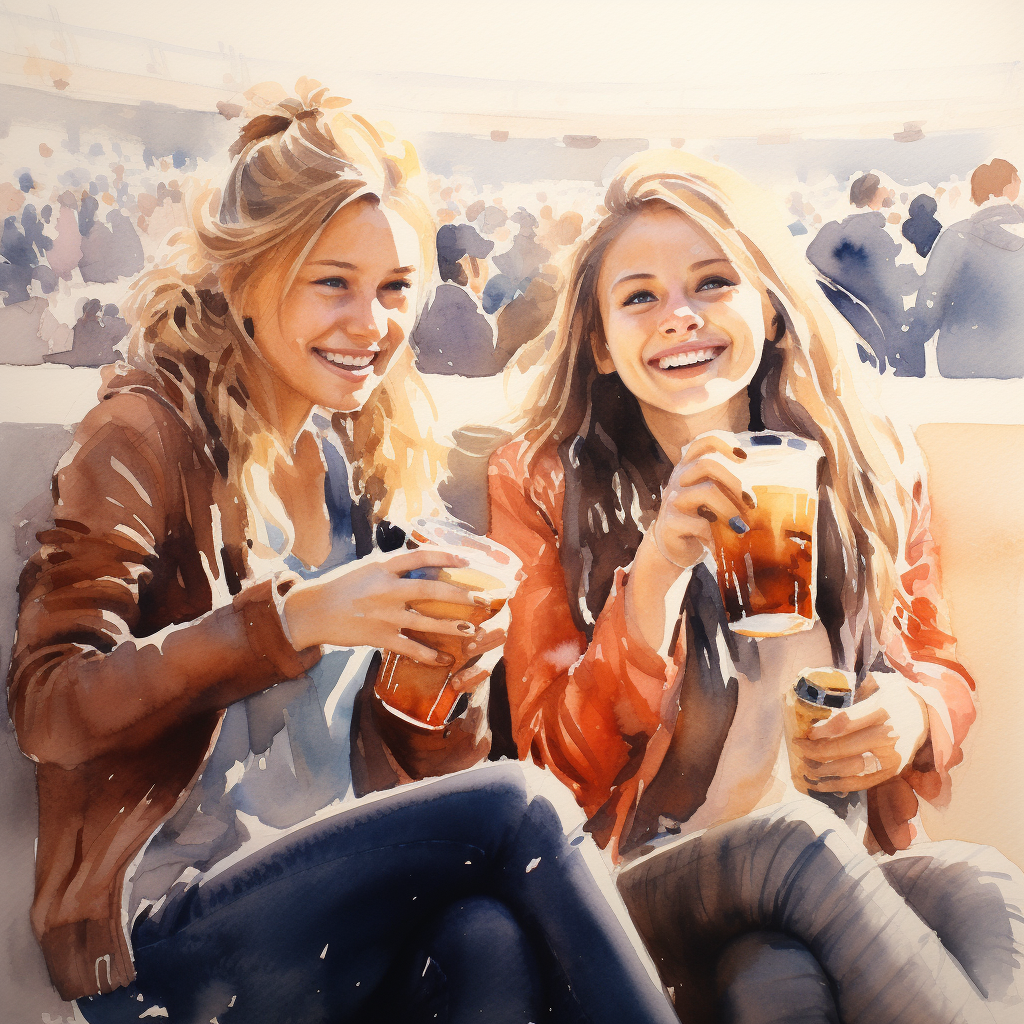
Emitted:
<point x="687" y="360"/>
<point x="351" y="364"/>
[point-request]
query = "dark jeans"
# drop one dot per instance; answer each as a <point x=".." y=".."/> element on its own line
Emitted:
<point x="461" y="898"/>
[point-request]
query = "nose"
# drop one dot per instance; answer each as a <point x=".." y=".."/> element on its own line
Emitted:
<point x="368" y="320"/>
<point x="681" y="320"/>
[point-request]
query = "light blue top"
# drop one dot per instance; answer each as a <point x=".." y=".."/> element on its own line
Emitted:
<point x="281" y="756"/>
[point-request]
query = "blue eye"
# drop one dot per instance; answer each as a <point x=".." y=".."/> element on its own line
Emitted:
<point x="640" y="297"/>
<point x="397" y="286"/>
<point x="332" y="282"/>
<point x="711" y="283"/>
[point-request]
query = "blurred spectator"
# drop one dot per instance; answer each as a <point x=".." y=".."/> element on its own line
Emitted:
<point x="921" y="228"/>
<point x="971" y="293"/>
<point x="108" y="254"/>
<point x="20" y="248"/>
<point x="452" y="335"/>
<point x="97" y="331"/>
<point x="858" y="259"/>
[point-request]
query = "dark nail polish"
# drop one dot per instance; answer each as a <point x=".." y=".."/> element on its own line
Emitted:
<point x="749" y="500"/>
<point x="739" y="453"/>
<point x="466" y="627"/>
<point x="705" y="513"/>
<point x="738" y="525"/>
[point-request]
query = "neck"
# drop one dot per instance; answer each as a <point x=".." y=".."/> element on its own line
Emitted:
<point x="674" y="432"/>
<point x="283" y="408"/>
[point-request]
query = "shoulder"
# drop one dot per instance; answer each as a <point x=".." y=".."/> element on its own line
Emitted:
<point x="539" y="475"/>
<point x="136" y="422"/>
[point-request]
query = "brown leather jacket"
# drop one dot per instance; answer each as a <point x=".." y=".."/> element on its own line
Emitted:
<point x="139" y="624"/>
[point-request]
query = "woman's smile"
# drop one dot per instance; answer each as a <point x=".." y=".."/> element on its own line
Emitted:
<point x="353" y="365"/>
<point x="683" y="327"/>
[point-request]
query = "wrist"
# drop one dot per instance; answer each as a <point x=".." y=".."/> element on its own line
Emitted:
<point x="297" y="616"/>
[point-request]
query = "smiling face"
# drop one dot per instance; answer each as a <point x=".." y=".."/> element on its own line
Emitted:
<point x="344" y="318"/>
<point x="684" y="328"/>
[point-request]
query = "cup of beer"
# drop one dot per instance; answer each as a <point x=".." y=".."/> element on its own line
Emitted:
<point x="767" y="574"/>
<point x="420" y="694"/>
<point x="818" y="694"/>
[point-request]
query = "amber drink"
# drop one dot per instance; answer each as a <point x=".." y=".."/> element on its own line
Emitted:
<point x="767" y="574"/>
<point x="421" y="694"/>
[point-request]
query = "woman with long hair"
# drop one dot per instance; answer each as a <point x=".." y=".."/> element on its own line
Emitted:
<point x="689" y="317"/>
<point x="184" y="665"/>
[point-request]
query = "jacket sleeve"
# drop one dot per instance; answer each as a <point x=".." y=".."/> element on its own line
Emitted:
<point x="82" y="683"/>
<point x="920" y="645"/>
<point x="935" y="292"/>
<point x="586" y="711"/>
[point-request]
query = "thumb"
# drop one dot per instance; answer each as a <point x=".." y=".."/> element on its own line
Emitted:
<point x="861" y="715"/>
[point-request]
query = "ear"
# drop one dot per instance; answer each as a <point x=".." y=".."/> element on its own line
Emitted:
<point x="602" y="359"/>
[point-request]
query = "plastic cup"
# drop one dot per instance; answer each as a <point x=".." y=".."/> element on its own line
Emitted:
<point x="420" y="694"/>
<point x="767" y="575"/>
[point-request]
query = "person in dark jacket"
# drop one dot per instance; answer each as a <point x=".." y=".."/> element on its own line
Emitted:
<point x="922" y="227"/>
<point x="863" y="280"/>
<point x="971" y="294"/>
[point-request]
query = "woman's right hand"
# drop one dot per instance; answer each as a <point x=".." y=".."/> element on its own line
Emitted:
<point x="703" y="489"/>
<point x="366" y="604"/>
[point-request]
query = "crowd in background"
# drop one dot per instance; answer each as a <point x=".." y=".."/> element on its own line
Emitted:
<point x="77" y="227"/>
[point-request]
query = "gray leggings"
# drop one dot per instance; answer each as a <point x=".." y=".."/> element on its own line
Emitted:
<point x="784" y="916"/>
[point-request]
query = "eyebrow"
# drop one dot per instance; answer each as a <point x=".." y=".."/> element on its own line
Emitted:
<point x="351" y="266"/>
<point x="694" y="266"/>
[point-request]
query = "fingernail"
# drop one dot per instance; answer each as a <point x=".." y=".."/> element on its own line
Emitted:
<point x="705" y="513"/>
<point x="484" y="602"/>
<point x="466" y="627"/>
<point x="749" y="500"/>
<point x="739" y="453"/>
<point x="738" y="525"/>
<point x="471" y="646"/>
<point x="444" y="659"/>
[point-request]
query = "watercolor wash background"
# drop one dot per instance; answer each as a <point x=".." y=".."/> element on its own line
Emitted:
<point x="518" y="111"/>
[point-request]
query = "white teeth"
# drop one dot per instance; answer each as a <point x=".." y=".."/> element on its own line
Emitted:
<point x="686" y="358"/>
<point x="350" y="362"/>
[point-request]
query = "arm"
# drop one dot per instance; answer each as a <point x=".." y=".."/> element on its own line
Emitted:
<point x="81" y="682"/>
<point x="936" y="288"/>
<point x="588" y="712"/>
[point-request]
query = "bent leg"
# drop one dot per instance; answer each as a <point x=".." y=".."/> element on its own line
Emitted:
<point x="972" y="897"/>
<point x="307" y="928"/>
<point x="799" y="870"/>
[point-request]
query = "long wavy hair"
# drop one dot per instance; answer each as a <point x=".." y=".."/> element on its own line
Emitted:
<point x="297" y="161"/>
<point x="803" y="384"/>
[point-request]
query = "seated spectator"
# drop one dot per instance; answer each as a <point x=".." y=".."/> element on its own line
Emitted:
<point x="863" y="280"/>
<point x="921" y="228"/>
<point x="971" y="292"/>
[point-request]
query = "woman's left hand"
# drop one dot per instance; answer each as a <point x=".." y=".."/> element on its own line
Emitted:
<point x="484" y="651"/>
<point x="869" y="743"/>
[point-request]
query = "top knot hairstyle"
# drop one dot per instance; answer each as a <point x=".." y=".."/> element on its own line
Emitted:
<point x="297" y="161"/>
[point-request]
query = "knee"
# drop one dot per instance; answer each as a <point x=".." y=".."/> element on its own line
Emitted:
<point x="767" y="975"/>
<point x="479" y="930"/>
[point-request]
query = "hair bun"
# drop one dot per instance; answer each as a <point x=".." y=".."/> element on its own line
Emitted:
<point x="262" y="126"/>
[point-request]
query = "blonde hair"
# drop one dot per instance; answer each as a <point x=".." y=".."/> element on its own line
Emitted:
<point x="805" y="382"/>
<point x="297" y="161"/>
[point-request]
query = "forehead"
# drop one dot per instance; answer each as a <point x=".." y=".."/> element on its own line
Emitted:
<point x="658" y="241"/>
<point x="366" y="233"/>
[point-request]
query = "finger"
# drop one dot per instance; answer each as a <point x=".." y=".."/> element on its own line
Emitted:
<point x="865" y="715"/>
<point x="678" y="529"/>
<point x="429" y="624"/>
<point x="429" y="555"/>
<point x="850" y="744"/>
<point x="469" y="679"/>
<point x="851" y="783"/>
<point x="710" y="502"/>
<point x="714" y="443"/>
<point x="486" y="641"/>
<point x="435" y="590"/>
<point x="868" y="763"/>
<point x="402" y="644"/>
<point x="713" y="467"/>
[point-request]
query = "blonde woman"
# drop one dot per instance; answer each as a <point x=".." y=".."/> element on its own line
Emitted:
<point x="687" y="317"/>
<point x="184" y="666"/>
